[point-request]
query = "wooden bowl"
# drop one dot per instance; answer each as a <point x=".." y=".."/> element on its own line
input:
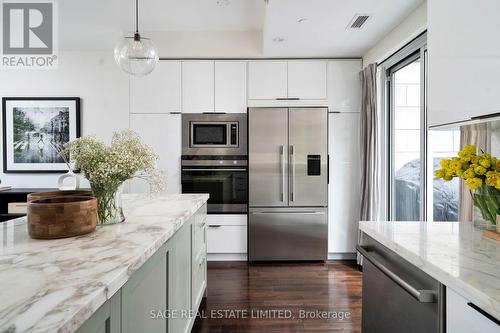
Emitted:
<point x="61" y="217"/>
<point x="51" y="194"/>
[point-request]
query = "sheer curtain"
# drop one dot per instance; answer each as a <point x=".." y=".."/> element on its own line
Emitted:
<point x="369" y="145"/>
<point x="478" y="135"/>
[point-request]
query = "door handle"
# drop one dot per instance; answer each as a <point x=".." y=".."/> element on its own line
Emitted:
<point x="421" y="295"/>
<point x="292" y="156"/>
<point x="328" y="169"/>
<point x="283" y="172"/>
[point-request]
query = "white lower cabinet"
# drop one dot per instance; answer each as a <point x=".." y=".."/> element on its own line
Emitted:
<point x="199" y="262"/>
<point x="344" y="184"/>
<point x="107" y="319"/>
<point x="463" y="318"/>
<point x="165" y="292"/>
<point x="227" y="237"/>
<point x="162" y="132"/>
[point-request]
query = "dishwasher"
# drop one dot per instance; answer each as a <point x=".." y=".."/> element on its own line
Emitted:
<point x="398" y="296"/>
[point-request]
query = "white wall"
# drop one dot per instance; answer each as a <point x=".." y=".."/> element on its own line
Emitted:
<point x="92" y="76"/>
<point x="208" y="44"/>
<point x="410" y="27"/>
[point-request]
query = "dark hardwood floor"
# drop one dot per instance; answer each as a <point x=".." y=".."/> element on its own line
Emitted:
<point x="261" y="291"/>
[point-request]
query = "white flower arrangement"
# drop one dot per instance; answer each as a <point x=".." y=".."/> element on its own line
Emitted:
<point x="107" y="167"/>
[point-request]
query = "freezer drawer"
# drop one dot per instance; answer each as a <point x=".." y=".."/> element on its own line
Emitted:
<point x="287" y="234"/>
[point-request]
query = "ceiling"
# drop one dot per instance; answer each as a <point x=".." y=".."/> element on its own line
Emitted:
<point x="98" y="24"/>
<point x="324" y="31"/>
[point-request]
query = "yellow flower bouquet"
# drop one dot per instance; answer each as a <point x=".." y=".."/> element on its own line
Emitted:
<point x="481" y="174"/>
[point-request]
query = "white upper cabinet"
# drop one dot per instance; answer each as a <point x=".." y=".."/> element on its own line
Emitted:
<point x="197" y="86"/>
<point x="231" y="86"/>
<point x="158" y="92"/>
<point x="267" y="79"/>
<point x="307" y="79"/>
<point x="344" y="85"/>
<point x="464" y="64"/>
<point x="162" y="132"/>
<point x="281" y="80"/>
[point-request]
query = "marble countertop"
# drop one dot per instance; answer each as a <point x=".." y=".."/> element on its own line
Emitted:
<point x="456" y="254"/>
<point x="55" y="285"/>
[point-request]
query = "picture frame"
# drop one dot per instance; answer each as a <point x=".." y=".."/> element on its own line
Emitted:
<point x="32" y="128"/>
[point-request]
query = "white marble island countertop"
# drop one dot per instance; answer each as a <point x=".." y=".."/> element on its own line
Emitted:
<point x="456" y="254"/>
<point x="55" y="285"/>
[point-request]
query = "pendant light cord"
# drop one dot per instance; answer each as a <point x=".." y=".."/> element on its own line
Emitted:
<point x="137" y="37"/>
<point x="136" y="16"/>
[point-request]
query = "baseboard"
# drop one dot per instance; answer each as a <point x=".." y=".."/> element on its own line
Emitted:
<point x="342" y="256"/>
<point x="243" y="256"/>
<point x="226" y="257"/>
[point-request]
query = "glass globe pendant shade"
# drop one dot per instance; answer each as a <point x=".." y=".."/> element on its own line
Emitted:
<point x="136" y="55"/>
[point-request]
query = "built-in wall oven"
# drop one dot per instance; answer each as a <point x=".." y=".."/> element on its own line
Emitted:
<point x="224" y="178"/>
<point x="215" y="161"/>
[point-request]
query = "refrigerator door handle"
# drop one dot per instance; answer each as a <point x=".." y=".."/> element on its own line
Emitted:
<point x="283" y="172"/>
<point x="292" y="157"/>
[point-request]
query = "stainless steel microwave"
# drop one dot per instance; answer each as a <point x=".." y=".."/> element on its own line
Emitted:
<point x="214" y="134"/>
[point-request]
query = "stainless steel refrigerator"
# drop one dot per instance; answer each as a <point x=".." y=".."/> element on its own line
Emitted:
<point x="288" y="184"/>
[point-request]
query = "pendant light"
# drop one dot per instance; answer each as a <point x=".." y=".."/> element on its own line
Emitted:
<point x="136" y="55"/>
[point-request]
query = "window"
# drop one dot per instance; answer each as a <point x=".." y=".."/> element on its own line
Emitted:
<point x="444" y="143"/>
<point x="406" y="132"/>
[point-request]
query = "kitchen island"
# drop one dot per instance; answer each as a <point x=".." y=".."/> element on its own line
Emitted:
<point x="115" y="279"/>
<point x="456" y="255"/>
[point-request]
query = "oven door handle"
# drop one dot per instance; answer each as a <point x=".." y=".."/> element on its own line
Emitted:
<point x="217" y="170"/>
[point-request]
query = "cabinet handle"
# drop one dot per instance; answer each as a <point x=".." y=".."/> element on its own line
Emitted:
<point x="176" y="112"/>
<point x="214" y="226"/>
<point x="484" y="313"/>
<point x="287" y="98"/>
<point x="486" y="116"/>
<point x="423" y="296"/>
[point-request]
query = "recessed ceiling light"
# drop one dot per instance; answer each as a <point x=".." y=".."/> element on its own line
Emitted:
<point x="278" y="39"/>
<point x="302" y="20"/>
<point x="223" y="3"/>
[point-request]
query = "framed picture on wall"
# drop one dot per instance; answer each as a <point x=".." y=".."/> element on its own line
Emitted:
<point x="34" y="128"/>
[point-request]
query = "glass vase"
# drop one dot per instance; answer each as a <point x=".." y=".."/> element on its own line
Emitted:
<point x="109" y="203"/>
<point x="487" y="206"/>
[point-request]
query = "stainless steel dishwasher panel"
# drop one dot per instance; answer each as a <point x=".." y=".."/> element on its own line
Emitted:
<point x="287" y="234"/>
<point x="398" y="296"/>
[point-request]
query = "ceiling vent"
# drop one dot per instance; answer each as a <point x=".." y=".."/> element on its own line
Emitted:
<point x="358" y="21"/>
